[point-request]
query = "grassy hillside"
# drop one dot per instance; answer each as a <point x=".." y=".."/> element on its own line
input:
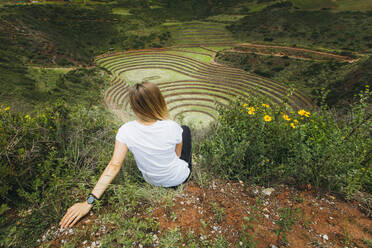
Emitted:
<point x="348" y="31"/>
<point x="68" y="34"/>
<point x="61" y="36"/>
<point x="342" y="79"/>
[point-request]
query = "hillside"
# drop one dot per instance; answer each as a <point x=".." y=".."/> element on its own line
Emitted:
<point x="276" y="93"/>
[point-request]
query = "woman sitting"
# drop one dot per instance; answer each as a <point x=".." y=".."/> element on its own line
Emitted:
<point x="160" y="146"/>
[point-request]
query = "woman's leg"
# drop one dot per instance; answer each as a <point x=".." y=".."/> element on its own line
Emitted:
<point x="186" y="146"/>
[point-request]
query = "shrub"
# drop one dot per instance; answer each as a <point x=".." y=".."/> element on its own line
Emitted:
<point x="254" y="141"/>
<point x="54" y="142"/>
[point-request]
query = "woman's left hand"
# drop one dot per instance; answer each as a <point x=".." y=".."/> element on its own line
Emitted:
<point x="75" y="213"/>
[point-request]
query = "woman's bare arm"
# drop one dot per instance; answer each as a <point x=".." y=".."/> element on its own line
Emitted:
<point x="111" y="170"/>
<point x="179" y="149"/>
<point x="79" y="210"/>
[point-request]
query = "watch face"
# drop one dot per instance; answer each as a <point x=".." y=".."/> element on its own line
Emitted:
<point x="90" y="199"/>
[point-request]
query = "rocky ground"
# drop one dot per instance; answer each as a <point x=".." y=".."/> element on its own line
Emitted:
<point x="245" y="215"/>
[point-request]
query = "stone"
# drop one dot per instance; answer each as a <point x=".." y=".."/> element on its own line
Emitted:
<point x="268" y="191"/>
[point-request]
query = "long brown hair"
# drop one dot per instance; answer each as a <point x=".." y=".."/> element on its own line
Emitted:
<point x="147" y="102"/>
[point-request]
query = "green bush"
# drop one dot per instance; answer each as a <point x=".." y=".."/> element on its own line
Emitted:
<point x="54" y="142"/>
<point x="49" y="160"/>
<point x="254" y="141"/>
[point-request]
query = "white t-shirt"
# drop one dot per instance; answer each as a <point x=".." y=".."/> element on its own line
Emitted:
<point x="153" y="147"/>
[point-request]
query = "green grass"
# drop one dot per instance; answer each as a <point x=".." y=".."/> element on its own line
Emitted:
<point x="121" y="11"/>
<point x="356" y="5"/>
<point x="199" y="57"/>
<point x="314" y="4"/>
<point x="334" y="5"/>
<point x="164" y="75"/>
<point x="46" y="79"/>
<point x="225" y="18"/>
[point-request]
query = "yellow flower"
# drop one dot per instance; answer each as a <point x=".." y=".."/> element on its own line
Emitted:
<point x="267" y="118"/>
<point x="363" y="169"/>
<point x="27" y="117"/>
<point x="265" y="105"/>
<point x="295" y="121"/>
<point x="293" y="125"/>
<point x="302" y="112"/>
<point x="251" y="110"/>
<point x="286" y="117"/>
<point x="245" y="105"/>
<point x="7" y="108"/>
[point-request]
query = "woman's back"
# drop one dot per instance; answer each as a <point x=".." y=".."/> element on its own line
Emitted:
<point x="153" y="147"/>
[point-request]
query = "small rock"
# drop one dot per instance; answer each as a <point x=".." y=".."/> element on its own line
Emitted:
<point x="325" y="237"/>
<point x="241" y="243"/>
<point x="321" y="208"/>
<point x="181" y="202"/>
<point x="222" y="191"/>
<point x="330" y="217"/>
<point x="255" y="191"/>
<point x="140" y="246"/>
<point x="267" y="216"/>
<point x="85" y="241"/>
<point x="268" y="191"/>
<point x="273" y="246"/>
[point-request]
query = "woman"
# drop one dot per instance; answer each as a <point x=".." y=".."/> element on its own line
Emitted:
<point x="161" y="148"/>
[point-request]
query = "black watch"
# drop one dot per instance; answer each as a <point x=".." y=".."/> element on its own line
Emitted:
<point x="91" y="198"/>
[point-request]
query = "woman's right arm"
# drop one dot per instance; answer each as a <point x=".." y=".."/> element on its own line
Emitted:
<point x="78" y="210"/>
<point x="112" y="169"/>
<point x="179" y="149"/>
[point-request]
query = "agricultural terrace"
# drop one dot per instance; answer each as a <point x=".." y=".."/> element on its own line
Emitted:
<point x="192" y="83"/>
<point x="195" y="34"/>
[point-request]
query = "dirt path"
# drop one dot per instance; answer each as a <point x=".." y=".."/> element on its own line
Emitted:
<point x="273" y="54"/>
<point x="325" y="54"/>
<point x="62" y="68"/>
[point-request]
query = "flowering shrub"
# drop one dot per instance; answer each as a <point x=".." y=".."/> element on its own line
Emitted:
<point x="263" y="143"/>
